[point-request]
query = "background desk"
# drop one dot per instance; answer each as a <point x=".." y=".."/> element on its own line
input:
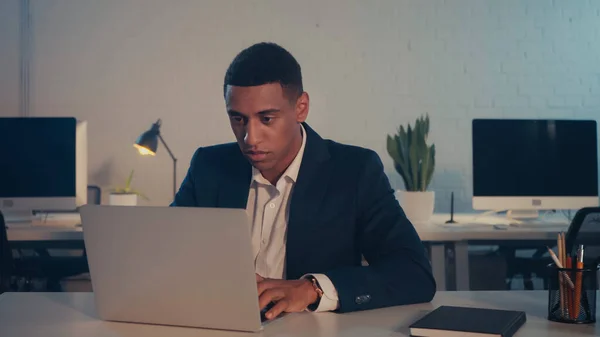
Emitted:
<point x="471" y="229"/>
<point x="52" y="235"/>
<point x="73" y="314"/>
<point x="443" y="239"/>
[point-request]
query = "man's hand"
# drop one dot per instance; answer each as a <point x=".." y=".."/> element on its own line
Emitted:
<point x="288" y="296"/>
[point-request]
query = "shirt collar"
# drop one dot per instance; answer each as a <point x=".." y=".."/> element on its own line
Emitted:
<point x="293" y="169"/>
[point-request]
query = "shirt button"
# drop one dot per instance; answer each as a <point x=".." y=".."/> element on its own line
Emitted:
<point x="264" y="241"/>
<point x="272" y="205"/>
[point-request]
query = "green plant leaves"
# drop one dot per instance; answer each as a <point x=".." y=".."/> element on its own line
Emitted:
<point x="127" y="188"/>
<point x="129" y="179"/>
<point x="413" y="159"/>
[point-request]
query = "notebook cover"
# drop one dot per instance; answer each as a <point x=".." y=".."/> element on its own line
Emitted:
<point x="476" y="320"/>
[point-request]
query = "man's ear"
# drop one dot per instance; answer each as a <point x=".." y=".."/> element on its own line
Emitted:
<point x="302" y="104"/>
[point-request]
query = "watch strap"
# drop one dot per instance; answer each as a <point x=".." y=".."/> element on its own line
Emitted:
<point x="318" y="290"/>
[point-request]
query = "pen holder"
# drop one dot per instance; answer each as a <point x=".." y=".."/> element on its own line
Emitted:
<point x="572" y="294"/>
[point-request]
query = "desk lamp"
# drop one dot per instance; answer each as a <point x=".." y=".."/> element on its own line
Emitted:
<point x="147" y="143"/>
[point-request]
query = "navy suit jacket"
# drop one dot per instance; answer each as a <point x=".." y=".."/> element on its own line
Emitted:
<point x="342" y="208"/>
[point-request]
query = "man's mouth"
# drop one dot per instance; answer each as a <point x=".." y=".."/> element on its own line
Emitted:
<point x="256" y="155"/>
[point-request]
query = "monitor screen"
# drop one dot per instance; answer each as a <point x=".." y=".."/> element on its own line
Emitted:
<point x="541" y="158"/>
<point x="38" y="157"/>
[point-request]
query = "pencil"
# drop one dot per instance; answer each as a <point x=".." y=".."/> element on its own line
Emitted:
<point x="565" y="275"/>
<point x="560" y="265"/>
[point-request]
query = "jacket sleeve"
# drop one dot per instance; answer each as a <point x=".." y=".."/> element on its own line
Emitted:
<point x="186" y="195"/>
<point x="399" y="271"/>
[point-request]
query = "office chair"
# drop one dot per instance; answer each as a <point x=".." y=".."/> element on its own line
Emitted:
<point x="94" y="197"/>
<point x="71" y="268"/>
<point x="50" y="269"/>
<point x="6" y="262"/>
<point x="527" y="267"/>
<point x="10" y="275"/>
<point x="585" y="230"/>
<point x="17" y="273"/>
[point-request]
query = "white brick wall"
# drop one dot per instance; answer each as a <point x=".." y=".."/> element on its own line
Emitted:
<point x="9" y="58"/>
<point x="368" y="66"/>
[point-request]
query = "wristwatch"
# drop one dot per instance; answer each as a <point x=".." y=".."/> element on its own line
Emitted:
<point x="318" y="290"/>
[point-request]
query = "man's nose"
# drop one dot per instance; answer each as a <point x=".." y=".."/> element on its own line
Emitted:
<point x="251" y="138"/>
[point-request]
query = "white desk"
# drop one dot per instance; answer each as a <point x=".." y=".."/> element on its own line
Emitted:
<point x="475" y="229"/>
<point x="52" y="226"/>
<point x="471" y="229"/>
<point x="45" y="233"/>
<point x="73" y="314"/>
<point x="52" y="233"/>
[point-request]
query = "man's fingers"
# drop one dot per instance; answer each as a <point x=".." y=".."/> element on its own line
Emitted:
<point x="277" y="309"/>
<point x="261" y="287"/>
<point x="267" y="284"/>
<point x="270" y="295"/>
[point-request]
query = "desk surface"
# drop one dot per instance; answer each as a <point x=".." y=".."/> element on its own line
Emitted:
<point x="44" y="233"/>
<point x="73" y="314"/>
<point x="473" y="227"/>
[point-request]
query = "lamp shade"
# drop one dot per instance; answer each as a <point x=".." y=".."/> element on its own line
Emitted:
<point x="147" y="142"/>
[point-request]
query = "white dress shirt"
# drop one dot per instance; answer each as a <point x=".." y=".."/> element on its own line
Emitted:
<point x="268" y="210"/>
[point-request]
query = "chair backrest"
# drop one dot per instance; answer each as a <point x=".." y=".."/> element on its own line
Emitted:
<point x="6" y="260"/>
<point x="585" y="230"/>
<point x="94" y="195"/>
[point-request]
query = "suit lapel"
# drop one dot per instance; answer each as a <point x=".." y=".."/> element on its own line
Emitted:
<point x="307" y="196"/>
<point x="235" y="184"/>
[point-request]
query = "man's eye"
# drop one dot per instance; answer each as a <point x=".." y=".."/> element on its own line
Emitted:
<point x="267" y="120"/>
<point x="237" y="119"/>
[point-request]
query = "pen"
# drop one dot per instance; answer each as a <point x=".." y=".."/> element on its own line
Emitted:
<point x="570" y="294"/>
<point x="578" y="279"/>
<point x="561" y="279"/>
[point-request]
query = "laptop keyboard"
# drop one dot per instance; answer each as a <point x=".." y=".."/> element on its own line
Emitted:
<point x="263" y="312"/>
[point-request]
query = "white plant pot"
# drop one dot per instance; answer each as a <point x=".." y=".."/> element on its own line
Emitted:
<point x="123" y="199"/>
<point x="418" y="206"/>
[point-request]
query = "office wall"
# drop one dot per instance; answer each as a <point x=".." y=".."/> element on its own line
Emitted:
<point x="9" y="58"/>
<point x="368" y="67"/>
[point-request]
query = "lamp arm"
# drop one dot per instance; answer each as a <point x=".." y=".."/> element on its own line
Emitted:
<point x="174" y="164"/>
<point x="167" y="147"/>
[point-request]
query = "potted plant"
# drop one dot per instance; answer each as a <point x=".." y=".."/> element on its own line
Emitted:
<point x="125" y="196"/>
<point x="414" y="160"/>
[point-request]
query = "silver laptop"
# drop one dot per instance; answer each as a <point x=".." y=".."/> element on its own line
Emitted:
<point x="172" y="266"/>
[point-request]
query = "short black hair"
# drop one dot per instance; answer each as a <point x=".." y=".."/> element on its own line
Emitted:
<point x="264" y="63"/>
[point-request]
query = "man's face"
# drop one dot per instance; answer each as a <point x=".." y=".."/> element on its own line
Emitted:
<point x="265" y="123"/>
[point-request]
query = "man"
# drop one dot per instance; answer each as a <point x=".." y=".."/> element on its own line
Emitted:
<point x="315" y="206"/>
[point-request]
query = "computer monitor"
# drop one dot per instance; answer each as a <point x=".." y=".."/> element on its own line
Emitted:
<point x="43" y="165"/>
<point x="526" y="165"/>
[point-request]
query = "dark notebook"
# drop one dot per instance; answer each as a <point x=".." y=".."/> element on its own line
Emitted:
<point x="463" y="321"/>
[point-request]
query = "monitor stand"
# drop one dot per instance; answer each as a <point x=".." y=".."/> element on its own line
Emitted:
<point x="20" y="217"/>
<point x="522" y="215"/>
